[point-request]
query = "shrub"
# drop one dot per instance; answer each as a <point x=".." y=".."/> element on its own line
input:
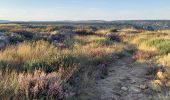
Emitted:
<point x="4" y="29"/>
<point x="51" y="28"/>
<point x="8" y="84"/>
<point x="143" y="55"/>
<point x="165" y="60"/>
<point x="163" y="45"/>
<point x="103" y="42"/>
<point x="113" y="30"/>
<point x="152" y="69"/>
<point x="58" y="37"/>
<point x="37" y="85"/>
<point x="83" y="31"/>
<point x="114" y="37"/>
<point x="26" y="34"/>
<point x="15" y="38"/>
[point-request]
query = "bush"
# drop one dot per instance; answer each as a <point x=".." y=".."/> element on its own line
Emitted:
<point x="114" y="37"/>
<point x="15" y="38"/>
<point x="104" y="42"/>
<point x="4" y="29"/>
<point x="84" y="31"/>
<point x="113" y="30"/>
<point x="29" y="86"/>
<point x="152" y="69"/>
<point x="143" y="55"/>
<point x="163" y="45"/>
<point x="26" y="34"/>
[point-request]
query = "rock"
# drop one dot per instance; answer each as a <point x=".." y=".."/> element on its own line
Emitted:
<point x="133" y="81"/>
<point x="142" y="87"/>
<point x="124" y="88"/>
<point x="135" y="89"/>
<point x="140" y="95"/>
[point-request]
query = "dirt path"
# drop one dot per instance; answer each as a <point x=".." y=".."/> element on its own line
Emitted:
<point x="126" y="81"/>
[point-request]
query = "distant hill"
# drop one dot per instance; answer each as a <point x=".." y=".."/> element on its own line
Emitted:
<point x="137" y="24"/>
<point x="147" y="24"/>
<point x="4" y="21"/>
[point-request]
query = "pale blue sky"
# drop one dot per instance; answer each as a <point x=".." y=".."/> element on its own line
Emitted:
<point x="56" y="10"/>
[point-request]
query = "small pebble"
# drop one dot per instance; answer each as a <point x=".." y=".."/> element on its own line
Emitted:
<point x="142" y="87"/>
<point x="135" y="89"/>
<point x="133" y="81"/>
<point x="124" y="88"/>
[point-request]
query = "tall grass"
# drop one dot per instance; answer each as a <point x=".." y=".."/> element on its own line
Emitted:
<point x="40" y="70"/>
<point x="34" y="56"/>
<point x="35" y="70"/>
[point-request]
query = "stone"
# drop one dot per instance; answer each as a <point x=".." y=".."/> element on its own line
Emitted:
<point x="124" y="88"/>
<point x="140" y="95"/>
<point x="133" y="81"/>
<point x="135" y="89"/>
<point x="142" y="87"/>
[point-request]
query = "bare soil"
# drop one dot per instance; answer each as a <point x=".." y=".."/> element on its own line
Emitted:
<point x="126" y="80"/>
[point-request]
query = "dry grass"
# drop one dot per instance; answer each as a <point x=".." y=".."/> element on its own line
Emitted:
<point x="36" y="55"/>
<point x="38" y="70"/>
<point x="153" y="47"/>
<point x="143" y="55"/>
<point x="15" y="57"/>
<point x="29" y="68"/>
<point x="165" y="60"/>
<point x="35" y="70"/>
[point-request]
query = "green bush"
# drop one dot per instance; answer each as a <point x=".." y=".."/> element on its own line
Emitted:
<point x="163" y="45"/>
<point x="67" y="60"/>
<point x="31" y="66"/>
<point x="104" y="41"/>
<point x="113" y="30"/>
<point x="16" y="38"/>
<point x="26" y="34"/>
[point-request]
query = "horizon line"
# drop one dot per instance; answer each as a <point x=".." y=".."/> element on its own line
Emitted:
<point x="83" y="20"/>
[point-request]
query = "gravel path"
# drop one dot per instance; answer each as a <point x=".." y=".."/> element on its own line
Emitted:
<point x="126" y="81"/>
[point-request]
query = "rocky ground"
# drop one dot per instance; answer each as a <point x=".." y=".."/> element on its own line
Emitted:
<point x="126" y="80"/>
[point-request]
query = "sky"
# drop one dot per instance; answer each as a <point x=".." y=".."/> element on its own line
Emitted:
<point x="59" y="10"/>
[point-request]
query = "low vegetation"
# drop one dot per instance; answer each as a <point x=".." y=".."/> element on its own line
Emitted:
<point x="42" y="68"/>
<point x="54" y="62"/>
<point x="34" y="56"/>
<point x="153" y="48"/>
<point x="161" y="44"/>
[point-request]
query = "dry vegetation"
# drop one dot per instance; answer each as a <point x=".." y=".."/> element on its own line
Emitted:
<point x="153" y="47"/>
<point x="32" y="68"/>
<point x="38" y="69"/>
